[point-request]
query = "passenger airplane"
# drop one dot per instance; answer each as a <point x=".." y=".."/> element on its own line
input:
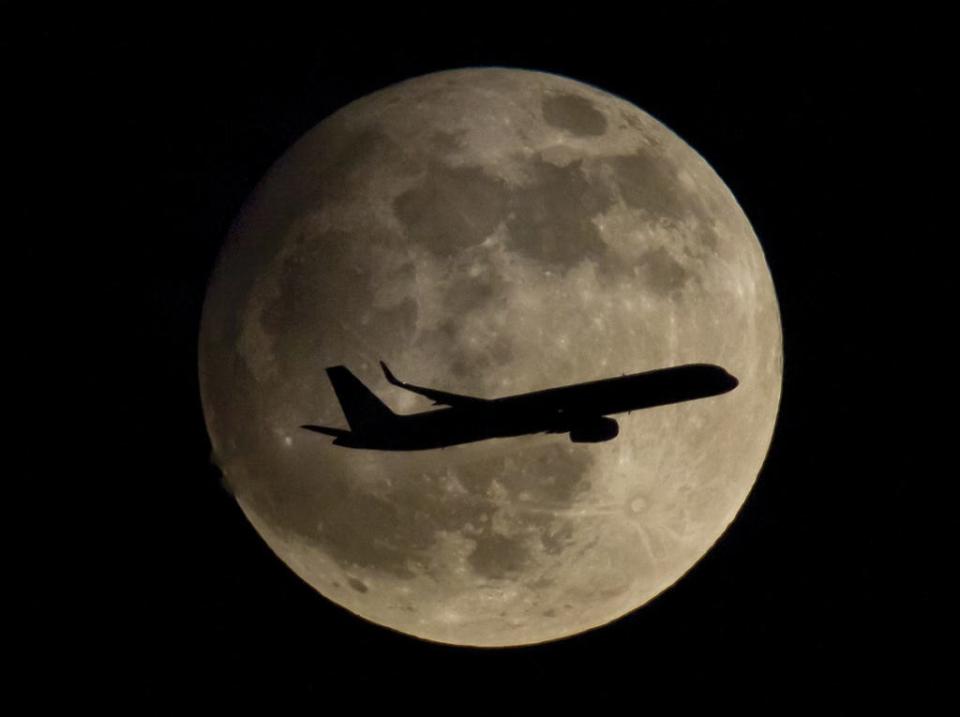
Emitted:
<point x="581" y="409"/>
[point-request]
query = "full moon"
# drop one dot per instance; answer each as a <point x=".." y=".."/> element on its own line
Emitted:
<point x="489" y="232"/>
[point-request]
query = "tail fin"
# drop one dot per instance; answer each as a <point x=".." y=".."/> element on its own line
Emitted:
<point x="361" y="407"/>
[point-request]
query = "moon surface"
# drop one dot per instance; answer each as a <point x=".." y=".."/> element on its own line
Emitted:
<point x="489" y="232"/>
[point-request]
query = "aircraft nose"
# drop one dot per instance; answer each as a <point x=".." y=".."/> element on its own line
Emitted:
<point x="731" y="381"/>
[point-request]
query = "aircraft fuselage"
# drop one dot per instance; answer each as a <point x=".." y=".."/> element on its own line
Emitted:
<point x="580" y="409"/>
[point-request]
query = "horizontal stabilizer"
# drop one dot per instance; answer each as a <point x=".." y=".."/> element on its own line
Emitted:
<point x="338" y="432"/>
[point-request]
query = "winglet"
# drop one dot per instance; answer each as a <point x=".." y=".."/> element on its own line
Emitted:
<point x="389" y="374"/>
<point x="439" y="398"/>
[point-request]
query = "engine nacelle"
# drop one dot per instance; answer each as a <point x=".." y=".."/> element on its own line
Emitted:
<point x="595" y="431"/>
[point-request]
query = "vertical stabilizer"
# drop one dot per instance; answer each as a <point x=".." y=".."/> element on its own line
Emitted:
<point x="362" y="409"/>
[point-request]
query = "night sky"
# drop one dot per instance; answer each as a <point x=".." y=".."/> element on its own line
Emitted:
<point x="814" y="596"/>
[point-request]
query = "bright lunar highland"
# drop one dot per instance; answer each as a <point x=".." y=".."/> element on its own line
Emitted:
<point x="489" y="232"/>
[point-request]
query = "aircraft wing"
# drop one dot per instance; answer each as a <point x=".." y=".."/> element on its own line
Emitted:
<point x="438" y="397"/>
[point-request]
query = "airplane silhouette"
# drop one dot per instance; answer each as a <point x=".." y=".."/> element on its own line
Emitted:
<point x="581" y="409"/>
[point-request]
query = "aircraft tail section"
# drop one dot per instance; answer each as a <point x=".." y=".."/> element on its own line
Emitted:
<point x="362" y="409"/>
<point x="327" y="431"/>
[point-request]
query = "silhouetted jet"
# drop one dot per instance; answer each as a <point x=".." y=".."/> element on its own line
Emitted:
<point x="581" y="409"/>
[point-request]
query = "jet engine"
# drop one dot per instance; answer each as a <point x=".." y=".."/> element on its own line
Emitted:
<point x="595" y="431"/>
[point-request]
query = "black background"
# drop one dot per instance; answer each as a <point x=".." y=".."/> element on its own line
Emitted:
<point x="814" y="597"/>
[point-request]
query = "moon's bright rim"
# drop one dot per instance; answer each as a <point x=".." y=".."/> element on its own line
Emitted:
<point x="489" y="231"/>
